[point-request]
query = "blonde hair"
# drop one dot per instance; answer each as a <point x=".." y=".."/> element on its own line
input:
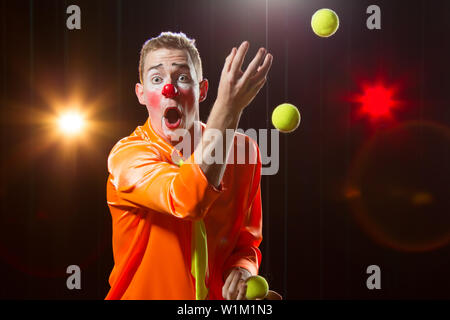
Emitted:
<point x="171" y="40"/>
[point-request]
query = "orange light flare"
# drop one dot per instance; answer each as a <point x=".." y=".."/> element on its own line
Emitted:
<point x="377" y="101"/>
<point x="71" y="123"/>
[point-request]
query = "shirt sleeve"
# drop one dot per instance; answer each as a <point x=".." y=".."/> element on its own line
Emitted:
<point x="142" y="179"/>
<point x="246" y="253"/>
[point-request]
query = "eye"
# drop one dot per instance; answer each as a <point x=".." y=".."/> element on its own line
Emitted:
<point x="183" y="78"/>
<point x="157" y="80"/>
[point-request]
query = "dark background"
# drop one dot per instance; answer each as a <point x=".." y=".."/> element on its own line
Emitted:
<point x="351" y="191"/>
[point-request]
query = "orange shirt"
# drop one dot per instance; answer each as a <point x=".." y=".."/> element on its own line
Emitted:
<point x="153" y="204"/>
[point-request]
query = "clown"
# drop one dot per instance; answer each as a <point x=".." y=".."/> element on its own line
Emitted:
<point x="189" y="231"/>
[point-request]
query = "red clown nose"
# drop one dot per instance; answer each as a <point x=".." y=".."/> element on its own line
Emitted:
<point x="169" y="91"/>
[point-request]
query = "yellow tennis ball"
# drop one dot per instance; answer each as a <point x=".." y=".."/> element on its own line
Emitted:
<point x="257" y="288"/>
<point x="286" y="117"/>
<point x="325" y="22"/>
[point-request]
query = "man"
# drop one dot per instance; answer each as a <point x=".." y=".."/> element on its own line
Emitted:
<point x="189" y="231"/>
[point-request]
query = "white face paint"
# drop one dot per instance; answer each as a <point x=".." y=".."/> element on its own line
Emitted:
<point x="174" y="66"/>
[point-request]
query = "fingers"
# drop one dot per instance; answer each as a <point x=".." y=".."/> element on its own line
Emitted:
<point x="229" y="60"/>
<point x="255" y="70"/>
<point x="254" y="65"/>
<point x="230" y="285"/>
<point x="239" y="58"/>
<point x="256" y="87"/>
<point x="226" y="285"/>
<point x="263" y="69"/>
<point x="242" y="290"/>
<point x="232" y="290"/>
<point x="238" y="88"/>
<point x="234" y="287"/>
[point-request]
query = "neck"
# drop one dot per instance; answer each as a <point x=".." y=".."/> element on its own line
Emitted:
<point x="192" y="138"/>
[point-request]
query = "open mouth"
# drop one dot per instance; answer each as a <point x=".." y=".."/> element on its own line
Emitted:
<point x="172" y="117"/>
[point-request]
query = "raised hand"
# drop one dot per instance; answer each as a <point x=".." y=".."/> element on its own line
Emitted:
<point x="238" y="88"/>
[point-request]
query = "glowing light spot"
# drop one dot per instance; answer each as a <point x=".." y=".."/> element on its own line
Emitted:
<point x="71" y="123"/>
<point x="377" y="101"/>
<point x="352" y="193"/>
<point x="422" y="198"/>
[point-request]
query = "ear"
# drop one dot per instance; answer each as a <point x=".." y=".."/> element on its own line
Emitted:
<point x="203" y="90"/>
<point x="140" y="93"/>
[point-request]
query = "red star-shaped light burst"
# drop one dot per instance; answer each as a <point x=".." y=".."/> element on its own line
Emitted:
<point x="377" y="101"/>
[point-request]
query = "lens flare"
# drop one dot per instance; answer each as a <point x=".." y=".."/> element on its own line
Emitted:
<point x="377" y="101"/>
<point x="71" y="123"/>
<point x="398" y="187"/>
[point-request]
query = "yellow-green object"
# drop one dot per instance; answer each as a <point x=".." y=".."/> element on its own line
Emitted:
<point x="286" y="117"/>
<point x="257" y="288"/>
<point x="325" y="22"/>
<point x="199" y="258"/>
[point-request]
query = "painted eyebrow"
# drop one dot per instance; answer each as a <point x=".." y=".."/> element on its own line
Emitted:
<point x="154" y="67"/>
<point x="179" y="65"/>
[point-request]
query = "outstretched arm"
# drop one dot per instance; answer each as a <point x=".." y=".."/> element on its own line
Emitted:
<point x="236" y="90"/>
<point x="187" y="192"/>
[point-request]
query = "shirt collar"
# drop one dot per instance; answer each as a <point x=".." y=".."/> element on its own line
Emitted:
<point x="156" y="138"/>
